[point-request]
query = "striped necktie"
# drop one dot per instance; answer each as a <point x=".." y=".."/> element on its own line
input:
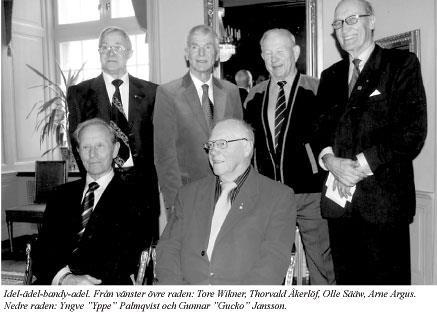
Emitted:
<point x="120" y="124"/>
<point x="207" y="105"/>
<point x="281" y="106"/>
<point x="87" y="205"/>
<point x="355" y="74"/>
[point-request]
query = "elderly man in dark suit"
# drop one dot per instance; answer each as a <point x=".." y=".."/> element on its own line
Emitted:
<point x="127" y="104"/>
<point x="236" y="227"/>
<point x="186" y="109"/>
<point x="91" y="233"/>
<point x="373" y="125"/>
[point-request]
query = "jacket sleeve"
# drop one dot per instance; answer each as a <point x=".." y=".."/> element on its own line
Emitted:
<point x="405" y="134"/>
<point x="165" y="136"/>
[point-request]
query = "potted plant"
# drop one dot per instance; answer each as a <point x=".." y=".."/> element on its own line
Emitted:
<point x="52" y="115"/>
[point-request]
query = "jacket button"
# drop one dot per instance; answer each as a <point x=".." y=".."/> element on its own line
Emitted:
<point x="202" y="253"/>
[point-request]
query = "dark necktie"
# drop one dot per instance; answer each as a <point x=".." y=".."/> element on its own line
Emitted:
<point x="120" y="124"/>
<point x="207" y="105"/>
<point x="355" y="75"/>
<point x="281" y="106"/>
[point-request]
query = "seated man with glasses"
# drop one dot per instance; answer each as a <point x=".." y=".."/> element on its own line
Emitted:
<point x="236" y="227"/>
<point x="126" y="103"/>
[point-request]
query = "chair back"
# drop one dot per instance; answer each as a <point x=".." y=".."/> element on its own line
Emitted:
<point x="48" y="175"/>
<point x="147" y="264"/>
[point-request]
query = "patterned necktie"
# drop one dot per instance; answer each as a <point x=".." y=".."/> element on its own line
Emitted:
<point x="87" y="205"/>
<point x="281" y="106"/>
<point x="355" y="75"/>
<point x="120" y="124"/>
<point x="207" y="105"/>
<point x="221" y="210"/>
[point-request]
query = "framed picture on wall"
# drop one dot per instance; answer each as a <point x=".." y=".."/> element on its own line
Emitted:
<point x="404" y="41"/>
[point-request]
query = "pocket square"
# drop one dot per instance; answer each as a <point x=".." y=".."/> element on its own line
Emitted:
<point x="376" y="92"/>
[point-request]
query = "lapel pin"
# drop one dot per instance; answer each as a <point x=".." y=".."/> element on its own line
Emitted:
<point x="359" y="87"/>
<point x="241" y="206"/>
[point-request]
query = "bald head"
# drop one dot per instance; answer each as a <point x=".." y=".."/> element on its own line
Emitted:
<point x="243" y="78"/>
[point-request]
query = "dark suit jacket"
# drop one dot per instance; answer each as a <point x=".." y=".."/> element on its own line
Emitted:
<point x="181" y="130"/>
<point x="243" y="94"/>
<point x="89" y="99"/>
<point x="294" y="161"/>
<point x="389" y="128"/>
<point x="252" y="247"/>
<point x="112" y="241"/>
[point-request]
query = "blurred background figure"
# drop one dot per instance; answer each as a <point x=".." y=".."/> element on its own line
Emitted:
<point x="243" y="79"/>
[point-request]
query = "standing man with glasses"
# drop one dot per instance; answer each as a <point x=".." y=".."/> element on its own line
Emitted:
<point x="373" y="125"/>
<point x="282" y="111"/>
<point x="186" y="110"/>
<point x="233" y="228"/>
<point x="127" y="104"/>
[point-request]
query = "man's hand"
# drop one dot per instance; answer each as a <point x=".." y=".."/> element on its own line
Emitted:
<point x="71" y="279"/>
<point x="345" y="170"/>
<point x="343" y="190"/>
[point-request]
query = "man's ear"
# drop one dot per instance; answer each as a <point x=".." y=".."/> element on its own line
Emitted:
<point x="116" y="149"/>
<point x="372" y="20"/>
<point x="248" y="146"/>
<point x="296" y="52"/>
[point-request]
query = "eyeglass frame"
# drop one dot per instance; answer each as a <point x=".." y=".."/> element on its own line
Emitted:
<point x="118" y="49"/>
<point x="208" y="148"/>
<point x="356" y="16"/>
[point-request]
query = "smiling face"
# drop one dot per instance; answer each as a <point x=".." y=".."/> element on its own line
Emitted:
<point x="114" y="63"/>
<point x="97" y="150"/>
<point x="355" y="38"/>
<point x="201" y="53"/>
<point x="232" y="161"/>
<point x="280" y="54"/>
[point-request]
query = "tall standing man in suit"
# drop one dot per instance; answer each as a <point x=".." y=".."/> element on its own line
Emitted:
<point x="373" y="126"/>
<point x="282" y="111"/>
<point x="243" y="79"/>
<point x="126" y="103"/>
<point x="91" y="233"/>
<point x="186" y="110"/>
<point x="233" y="228"/>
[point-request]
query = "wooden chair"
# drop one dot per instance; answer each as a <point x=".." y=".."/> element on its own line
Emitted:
<point x="297" y="272"/>
<point x="48" y="174"/>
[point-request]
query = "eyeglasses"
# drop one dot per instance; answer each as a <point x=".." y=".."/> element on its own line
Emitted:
<point x="221" y="144"/>
<point x="353" y="19"/>
<point x="118" y="49"/>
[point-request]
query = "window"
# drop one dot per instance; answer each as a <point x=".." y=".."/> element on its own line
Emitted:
<point x="77" y="28"/>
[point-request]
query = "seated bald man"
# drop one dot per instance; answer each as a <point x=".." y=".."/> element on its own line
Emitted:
<point x="92" y="232"/>
<point x="236" y="227"/>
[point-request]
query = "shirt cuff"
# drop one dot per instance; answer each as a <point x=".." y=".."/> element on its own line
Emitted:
<point x="363" y="163"/>
<point x="61" y="273"/>
<point x="326" y="150"/>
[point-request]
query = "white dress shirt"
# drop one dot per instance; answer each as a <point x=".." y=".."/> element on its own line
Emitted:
<point x="198" y="85"/>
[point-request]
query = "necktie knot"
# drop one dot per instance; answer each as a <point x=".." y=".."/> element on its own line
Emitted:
<point x="227" y="187"/>
<point x="356" y="63"/>
<point x="117" y="83"/>
<point x="205" y="88"/>
<point x="92" y="187"/>
<point x="281" y="84"/>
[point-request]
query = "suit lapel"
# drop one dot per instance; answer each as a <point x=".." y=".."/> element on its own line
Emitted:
<point x="368" y="80"/>
<point x="103" y="102"/>
<point x="242" y="205"/>
<point x="204" y="207"/>
<point x="193" y="102"/>
<point x="219" y="100"/>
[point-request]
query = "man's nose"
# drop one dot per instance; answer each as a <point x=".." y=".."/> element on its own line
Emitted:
<point x="92" y="152"/>
<point x="201" y="51"/>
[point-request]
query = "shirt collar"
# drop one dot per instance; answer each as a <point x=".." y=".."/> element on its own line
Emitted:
<point x="198" y="83"/>
<point x="109" y="78"/>
<point x="103" y="181"/>
<point x="363" y="56"/>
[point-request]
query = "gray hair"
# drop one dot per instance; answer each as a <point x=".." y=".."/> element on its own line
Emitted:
<point x="283" y="32"/>
<point x="243" y="78"/>
<point x="204" y="29"/>
<point x="94" y="122"/>
<point x="115" y="29"/>
<point x="368" y="8"/>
